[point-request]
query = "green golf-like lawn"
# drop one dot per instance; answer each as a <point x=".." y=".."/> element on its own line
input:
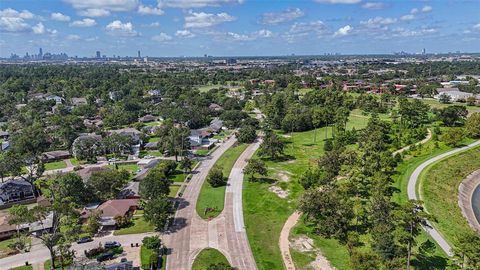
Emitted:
<point x="214" y="197"/>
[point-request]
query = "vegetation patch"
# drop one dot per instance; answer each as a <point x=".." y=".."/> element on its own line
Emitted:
<point x="209" y="257"/>
<point x="139" y="225"/>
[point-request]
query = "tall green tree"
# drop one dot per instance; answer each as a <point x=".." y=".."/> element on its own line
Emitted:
<point x="271" y="146"/>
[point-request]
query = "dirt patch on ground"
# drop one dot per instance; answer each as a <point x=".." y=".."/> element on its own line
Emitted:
<point x="279" y="191"/>
<point x="305" y="244"/>
<point x="283" y="176"/>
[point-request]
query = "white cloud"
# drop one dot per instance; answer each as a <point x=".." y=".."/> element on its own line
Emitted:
<point x="315" y="26"/>
<point x="184" y="34"/>
<point x="87" y="22"/>
<point x="263" y="33"/>
<point x="412" y="33"/>
<point x="57" y="16"/>
<point x="12" y="13"/>
<point x="148" y="10"/>
<point x="414" y="11"/>
<point x="287" y="15"/>
<point x="343" y="31"/>
<point x="111" y="5"/>
<point x="162" y="37"/>
<point x="373" y="5"/>
<point x="407" y="17"/>
<point x="378" y="22"/>
<point x="94" y="12"/>
<point x="153" y="24"/>
<point x="202" y="19"/>
<point x="339" y="1"/>
<point x="11" y="24"/>
<point x="117" y="28"/>
<point x="40" y="29"/>
<point x="427" y="9"/>
<point x="90" y="39"/>
<point x="476" y="27"/>
<point x="196" y="3"/>
<point x="73" y="37"/>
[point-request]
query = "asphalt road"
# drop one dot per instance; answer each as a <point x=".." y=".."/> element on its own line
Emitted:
<point x="412" y="193"/>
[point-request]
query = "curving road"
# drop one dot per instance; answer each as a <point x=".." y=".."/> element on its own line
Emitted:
<point x="412" y="193"/>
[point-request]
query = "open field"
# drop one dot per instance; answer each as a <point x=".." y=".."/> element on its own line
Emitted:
<point x="265" y="212"/>
<point x="208" y="257"/>
<point x="436" y="104"/>
<point x="211" y="197"/>
<point x="438" y="188"/>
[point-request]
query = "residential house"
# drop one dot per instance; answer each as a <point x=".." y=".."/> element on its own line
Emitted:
<point x="87" y="172"/>
<point x="147" y="118"/>
<point x="111" y="209"/>
<point x="6" y="230"/>
<point x="216" y="125"/>
<point x="56" y="98"/>
<point x="38" y="227"/>
<point x="93" y="122"/>
<point x="155" y="92"/>
<point x="55" y="155"/>
<point x="79" y="101"/>
<point x="128" y="265"/>
<point x="12" y="191"/>
<point x="215" y="107"/>
<point x="131" y="191"/>
<point x="151" y="146"/>
<point x="131" y="132"/>
<point x="4" y="135"/>
<point x="453" y="93"/>
<point x="200" y="139"/>
<point x="4" y="146"/>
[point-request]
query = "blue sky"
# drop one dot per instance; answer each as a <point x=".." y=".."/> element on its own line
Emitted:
<point x="237" y="27"/>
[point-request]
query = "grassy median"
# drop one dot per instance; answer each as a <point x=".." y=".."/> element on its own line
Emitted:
<point x="207" y="257"/>
<point x="214" y="197"/>
<point x="438" y="186"/>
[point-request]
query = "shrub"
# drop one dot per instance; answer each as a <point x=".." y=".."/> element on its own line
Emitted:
<point x="216" y="178"/>
<point x="152" y="242"/>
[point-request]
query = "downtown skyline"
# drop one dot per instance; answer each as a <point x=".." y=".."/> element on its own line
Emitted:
<point x="169" y="28"/>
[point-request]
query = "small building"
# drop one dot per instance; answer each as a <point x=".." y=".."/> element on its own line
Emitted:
<point x="130" y="192"/>
<point x="111" y="209"/>
<point x="6" y="230"/>
<point x="215" y="107"/>
<point x="155" y="92"/>
<point x="151" y="146"/>
<point x="93" y="122"/>
<point x="57" y="99"/>
<point x="216" y="125"/>
<point x="55" y="155"/>
<point x="453" y="93"/>
<point x="128" y="265"/>
<point x="131" y="132"/>
<point x="86" y="173"/>
<point x="147" y="118"/>
<point x="12" y="191"/>
<point x="79" y="101"/>
<point x="4" y="135"/>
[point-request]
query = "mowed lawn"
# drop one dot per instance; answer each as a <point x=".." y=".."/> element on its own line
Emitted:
<point x="211" y="197"/>
<point x="265" y="212"/>
<point x="140" y="225"/>
<point x="208" y="257"/>
<point x="56" y="165"/>
<point x="438" y="188"/>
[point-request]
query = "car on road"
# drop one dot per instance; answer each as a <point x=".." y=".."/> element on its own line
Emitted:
<point x="112" y="244"/>
<point x="105" y="257"/>
<point x="84" y="240"/>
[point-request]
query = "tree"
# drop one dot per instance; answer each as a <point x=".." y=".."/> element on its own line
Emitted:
<point x="453" y="115"/>
<point x="71" y="185"/>
<point x="471" y="101"/>
<point x="116" y="144"/>
<point x="93" y="225"/>
<point x="467" y="249"/>
<point x="472" y="125"/>
<point x="409" y="218"/>
<point x="328" y="145"/>
<point x="157" y="211"/>
<point x="247" y="134"/>
<point x="152" y="242"/>
<point x="173" y="138"/>
<point x="156" y="183"/>
<point x="271" y="146"/>
<point x="453" y="136"/>
<point x="64" y="220"/>
<point x="108" y="183"/>
<point x="186" y="164"/>
<point x="86" y="148"/>
<point x="215" y="177"/>
<point x="444" y="98"/>
<point x="253" y="167"/>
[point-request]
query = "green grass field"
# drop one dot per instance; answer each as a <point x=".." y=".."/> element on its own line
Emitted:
<point x="173" y="190"/>
<point x="265" y="213"/>
<point x="146" y="257"/>
<point x="131" y="168"/>
<point x="211" y="197"/>
<point x="25" y="267"/>
<point x="139" y="226"/>
<point x="56" y="165"/>
<point x="436" y="104"/>
<point x="438" y="188"/>
<point x="208" y="257"/>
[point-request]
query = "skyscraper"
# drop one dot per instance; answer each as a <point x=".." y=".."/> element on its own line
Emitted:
<point x="139" y="54"/>
<point x="98" y="54"/>
<point x="40" y="53"/>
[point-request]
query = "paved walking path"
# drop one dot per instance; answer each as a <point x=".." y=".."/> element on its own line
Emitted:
<point x="292" y="220"/>
<point x="191" y="234"/>
<point x="412" y="193"/>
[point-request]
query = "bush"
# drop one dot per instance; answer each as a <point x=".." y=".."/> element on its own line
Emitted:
<point x="122" y="222"/>
<point x="215" y="177"/>
<point x="152" y="242"/>
<point x="94" y="252"/>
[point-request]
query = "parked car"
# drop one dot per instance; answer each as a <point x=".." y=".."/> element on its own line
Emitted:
<point x="84" y="240"/>
<point x="112" y="244"/>
<point x="105" y="257"/>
